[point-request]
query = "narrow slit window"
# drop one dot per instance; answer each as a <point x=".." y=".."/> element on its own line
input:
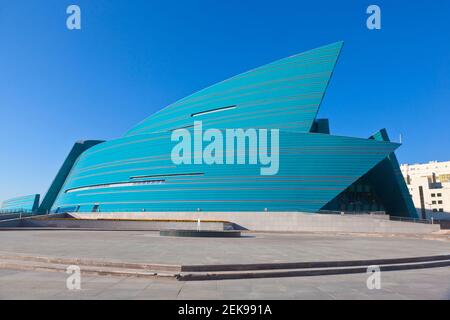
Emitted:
<point x="213" y="111"/>
<point x="115" y="185"/>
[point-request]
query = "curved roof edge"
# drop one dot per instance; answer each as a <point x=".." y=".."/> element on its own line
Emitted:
<point x="285" y="94"/>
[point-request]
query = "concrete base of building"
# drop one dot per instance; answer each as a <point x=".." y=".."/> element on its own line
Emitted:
<point x="121" y="224"/>
<point x="281" y="221"/>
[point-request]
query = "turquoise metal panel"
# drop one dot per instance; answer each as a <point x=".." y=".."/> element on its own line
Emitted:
<point x="285" y="94"/>
<point x="314" y="168"/>
<point x="21" y="204"/>
<point x="135" y="173"/>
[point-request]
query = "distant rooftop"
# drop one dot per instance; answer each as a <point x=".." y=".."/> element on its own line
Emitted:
<point x="433" y="162"/>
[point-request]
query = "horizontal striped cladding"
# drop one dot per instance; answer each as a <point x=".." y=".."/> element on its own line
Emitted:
<point x="287" y="90"/>
<point x="25" y="203"/>
<point x="314" y="168"/>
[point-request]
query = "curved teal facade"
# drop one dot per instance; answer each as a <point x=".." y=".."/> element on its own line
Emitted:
<point x="285" y="94"/>
<point x="317" y="170"/>
<point x="28" y="203"/>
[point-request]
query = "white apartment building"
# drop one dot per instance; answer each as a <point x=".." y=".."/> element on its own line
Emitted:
<point x="429" y="186"/>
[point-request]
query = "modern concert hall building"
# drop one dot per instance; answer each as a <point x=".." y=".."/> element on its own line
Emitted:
<point x="317" y="172"/>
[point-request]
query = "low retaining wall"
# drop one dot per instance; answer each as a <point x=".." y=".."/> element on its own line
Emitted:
<point x="282" y="221"/>
<point x="149" y="225"/>
<point x="12" y="223"/>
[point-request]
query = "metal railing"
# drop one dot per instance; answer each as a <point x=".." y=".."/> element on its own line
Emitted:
<point x="361" y="213"/>
<point x="15" y="211"/>
<point x="15" y="214"/>
<point x="414" y="220"/>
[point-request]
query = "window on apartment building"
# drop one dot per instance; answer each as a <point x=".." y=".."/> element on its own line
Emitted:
<point x="433" y="202"/>
<point x="434" y="210"/>
<point x="440" y="202"/>
<point x="441" y="210"/>
<point x="433" y="195"/>
<point x="439" y="194"/>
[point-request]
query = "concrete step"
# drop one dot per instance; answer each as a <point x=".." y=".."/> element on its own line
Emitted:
<point x="216" y="272"/>
<point x="234" y="275"/>
<point x="87" y="270"/>
<point x="309" y="265"/>
<point x="91" y="263"/>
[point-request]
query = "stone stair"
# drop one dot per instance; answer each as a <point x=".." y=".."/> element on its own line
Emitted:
<point x="216" y="272"/>
<point x="88" y="267"/>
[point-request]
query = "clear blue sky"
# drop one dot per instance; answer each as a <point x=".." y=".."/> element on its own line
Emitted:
<point x="132" y="58"/>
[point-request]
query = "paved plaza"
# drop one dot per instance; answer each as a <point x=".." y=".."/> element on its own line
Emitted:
<point x="415" y="284"/>
<point x="149" y="247"/>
